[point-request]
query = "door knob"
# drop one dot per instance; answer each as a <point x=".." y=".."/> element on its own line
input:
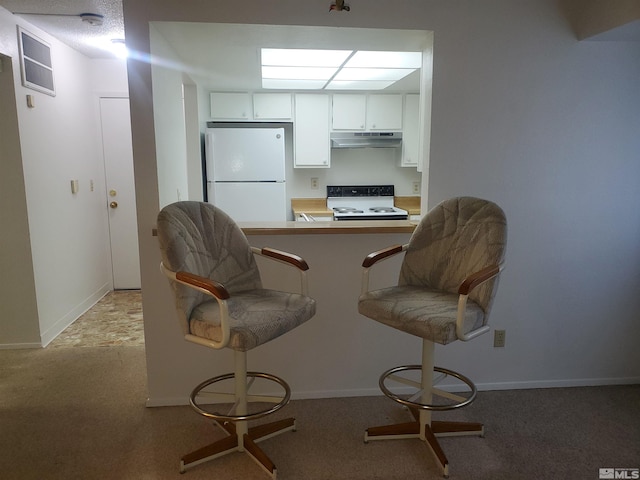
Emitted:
<point x="113" y="204"/>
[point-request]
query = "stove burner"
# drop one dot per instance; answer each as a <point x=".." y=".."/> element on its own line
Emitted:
<point x="382" y="209"/>
<point x="346" y="210"/>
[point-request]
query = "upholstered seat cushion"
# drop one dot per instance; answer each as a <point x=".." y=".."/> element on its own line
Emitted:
<point x="255" y="317"/>
<point x="420" y="311"/>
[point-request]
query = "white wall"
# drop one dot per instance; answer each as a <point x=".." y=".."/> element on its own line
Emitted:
<point x="67" y="233"/>
<point x="355" y="166"/>
<point x="523" y="114"/>
<point x="109" y="77"/>
<point x="169" y="116"/>
<point x="18" y="311"/>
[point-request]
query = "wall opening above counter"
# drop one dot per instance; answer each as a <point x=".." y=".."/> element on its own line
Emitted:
<point x="220" y="63"/>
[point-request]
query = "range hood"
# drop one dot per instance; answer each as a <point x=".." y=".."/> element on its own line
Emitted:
<point x="366" y="139"/>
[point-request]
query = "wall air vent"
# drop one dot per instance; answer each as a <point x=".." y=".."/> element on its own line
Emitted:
<point x="35" y="63"/>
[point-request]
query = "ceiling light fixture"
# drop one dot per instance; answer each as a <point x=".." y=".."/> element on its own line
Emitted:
<point x="304" y="69"/>
<point x="339" y="6"/>
<point x="93" y="19"/>
<point x="119" y="48"/>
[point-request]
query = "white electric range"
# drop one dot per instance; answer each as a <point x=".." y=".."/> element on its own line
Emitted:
<point x="364" y="202"/>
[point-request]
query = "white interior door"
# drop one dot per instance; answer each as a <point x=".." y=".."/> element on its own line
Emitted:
<point x="120" y="201"/>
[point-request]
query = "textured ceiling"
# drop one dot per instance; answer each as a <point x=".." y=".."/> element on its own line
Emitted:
<point x="60" y="19"/>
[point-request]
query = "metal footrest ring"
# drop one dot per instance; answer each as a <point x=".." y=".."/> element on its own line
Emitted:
<point x="249" y="416"/>
<point x="425" y="406"/>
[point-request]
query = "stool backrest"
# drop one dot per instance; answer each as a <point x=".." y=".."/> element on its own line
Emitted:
<point x="200" y="238"/>
<point x="456" y="238"/>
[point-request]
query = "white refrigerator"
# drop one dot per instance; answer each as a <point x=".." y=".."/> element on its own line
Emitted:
<point x="246" y="172"/>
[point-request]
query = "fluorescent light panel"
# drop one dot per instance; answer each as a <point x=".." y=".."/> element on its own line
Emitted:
<point x="393" y="74"/>
<point x="311" y="69"/>
<point x="298" y="57"/>
<point x="299" y="73"/>
<point x="358" y="84"/>
<point x="363" y="59"/>
<point x="293" y="84"/>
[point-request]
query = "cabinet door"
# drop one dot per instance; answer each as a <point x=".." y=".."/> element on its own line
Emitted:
<point x="311" y="131"/>
<point x="230" y="106"/>
<point x="384" y="112"/>
<point x="410" y="132"/>
<point x="272" y="106"/>
<point x="349" y="112"/>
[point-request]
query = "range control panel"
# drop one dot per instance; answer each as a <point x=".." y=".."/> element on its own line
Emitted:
<point x="360" y="191"/>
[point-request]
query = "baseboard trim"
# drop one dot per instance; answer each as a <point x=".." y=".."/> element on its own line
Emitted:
<point x="565" y="383"/>
<point x="19" y="346"/>
<point x="167" y="401"/>
<point x="56" y="329"/>
<point x="483" y="387"/>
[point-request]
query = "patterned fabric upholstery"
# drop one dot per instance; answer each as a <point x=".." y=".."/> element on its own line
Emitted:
<point x="458" y="237"/>
<point x="199" y="238"/>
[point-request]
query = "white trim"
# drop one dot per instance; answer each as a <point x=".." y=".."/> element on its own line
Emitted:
<point x="565" y="383"/>
<point x="60" y="325"/>
<point x="485" y="387"/>
<point x="19" y="346"/>
<point x="168" y="401"/>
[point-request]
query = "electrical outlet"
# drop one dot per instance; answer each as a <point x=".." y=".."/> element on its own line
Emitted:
<point x="416" y="187"/>
<point x="499" y="338"/>
<point x="314" y="183"/>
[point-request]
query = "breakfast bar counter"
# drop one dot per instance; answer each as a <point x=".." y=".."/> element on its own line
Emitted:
<point x="352" y="227"/>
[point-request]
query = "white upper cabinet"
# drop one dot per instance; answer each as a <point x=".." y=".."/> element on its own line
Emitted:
<point x="311" y="131"/>
<point x="384" y="112"/>
<point x="244" y="106"/>
<point x="367" y="112"/>
<point x="411" y="131"/>
<point x="349" y="112"/>
<point x="272" y="106"/>
<point x="231" y="106"/>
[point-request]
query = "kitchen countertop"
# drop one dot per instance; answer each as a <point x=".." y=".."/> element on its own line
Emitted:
<point x="330" y="228"/>
<point x="310" y="206"/>
<point x="318" y="206"/>
<point x="410" y="204"/>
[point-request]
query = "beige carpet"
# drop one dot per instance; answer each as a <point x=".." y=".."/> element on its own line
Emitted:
<point x="79" y="413"/>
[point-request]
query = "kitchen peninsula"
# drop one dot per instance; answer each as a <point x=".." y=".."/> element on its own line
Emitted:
<point x="338" y="352"/>
<point x="352" y="227"/>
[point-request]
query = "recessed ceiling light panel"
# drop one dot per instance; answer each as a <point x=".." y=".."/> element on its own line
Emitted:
<point x="292" y="84"/>
<point x="301" y="73"/>
<point x="304" y="69"/>
<point x="365" y="59"/>
<point x="358" y="85"/>
<point x="393" y="74"/>
<point x="299" y="57"/>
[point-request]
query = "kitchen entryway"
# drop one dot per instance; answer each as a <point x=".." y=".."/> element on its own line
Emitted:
<point x="116" y="320"/>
